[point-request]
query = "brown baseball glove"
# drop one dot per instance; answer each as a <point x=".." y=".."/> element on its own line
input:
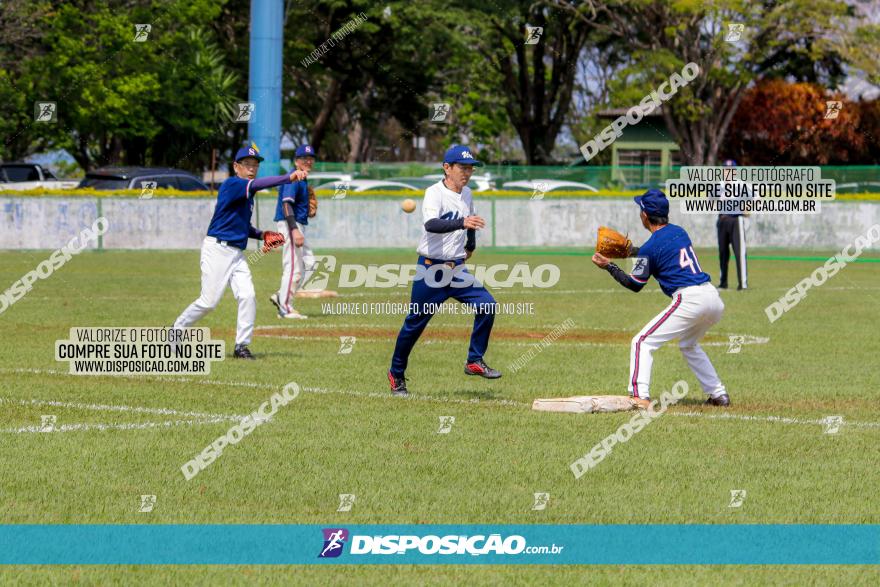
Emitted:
<point x="612" y="244"/>
<point x="272" y="240"/>
<point x="313" y="203"/>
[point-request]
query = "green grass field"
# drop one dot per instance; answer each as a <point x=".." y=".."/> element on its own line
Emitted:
<point x="346" y="434"/>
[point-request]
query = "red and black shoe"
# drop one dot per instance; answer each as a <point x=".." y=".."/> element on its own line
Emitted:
<point x="482" y="369"/>
<point x="398" y="385"/>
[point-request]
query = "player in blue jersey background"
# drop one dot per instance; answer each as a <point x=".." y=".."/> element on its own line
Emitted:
<point x="292" y="219"/>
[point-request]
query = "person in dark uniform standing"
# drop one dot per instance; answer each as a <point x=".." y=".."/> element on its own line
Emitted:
<point x="732" y="233"/>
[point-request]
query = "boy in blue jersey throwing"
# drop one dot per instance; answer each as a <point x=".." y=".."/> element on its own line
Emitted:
<point x="292" y="217"/>
<point x="669" y="256"/>
<point x="222" y="261"/>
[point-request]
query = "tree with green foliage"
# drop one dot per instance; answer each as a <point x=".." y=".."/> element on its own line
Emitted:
<point x="382" y="70"/>
<point x="531" y="49"/>
<point x="158" y="99"/>
<point x="22" y="42"/>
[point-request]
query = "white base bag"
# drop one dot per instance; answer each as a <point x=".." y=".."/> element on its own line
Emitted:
<point x="590" y="404"/>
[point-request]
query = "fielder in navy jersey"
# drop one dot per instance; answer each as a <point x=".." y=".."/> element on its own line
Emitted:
<point x="222" y="259"/>
<point x="448" y="240"/>
<point x="669" y="257"/>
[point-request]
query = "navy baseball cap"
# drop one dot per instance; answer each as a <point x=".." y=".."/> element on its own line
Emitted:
<point x="653" y="203"/>
<point x="305" y="151"/>
<point x="251" y="151"/>
<point x="461" y="154"/>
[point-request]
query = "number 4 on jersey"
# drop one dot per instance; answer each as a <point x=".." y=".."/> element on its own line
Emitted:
<point x="688" y="258"/>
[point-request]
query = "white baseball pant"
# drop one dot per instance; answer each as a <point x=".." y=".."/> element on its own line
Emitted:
<point x="297" y="265"/>
<point x="741" y="258"/>
<point x="692" y="312"/>
<point x="224" y="265"/>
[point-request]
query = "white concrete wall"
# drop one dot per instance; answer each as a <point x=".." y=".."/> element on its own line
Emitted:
<point x="178" y="223"/>
<point x="43" y="223"/>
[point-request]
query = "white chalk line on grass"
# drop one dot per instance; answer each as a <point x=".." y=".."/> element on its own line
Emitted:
<point x="196" y="418"/>
<point x="103" y="427"/>
<point x="778" y="419"/>
<point x="434" y="399"/>
<point x="335" y="325"/>
<point x="499" y="342"/>
<point x="530" y="293"/>
<point x="561" y="341"/>
<point x="747" y="338"/>
<point x="400" y="292"/>
<point x="104" y="407"/>
<point x="331" y="325"/>
<point x="252" y="385"/>
<point x="536" y="291"/>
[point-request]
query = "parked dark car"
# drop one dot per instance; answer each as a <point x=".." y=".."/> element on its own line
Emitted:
<point x="134" y="178"/>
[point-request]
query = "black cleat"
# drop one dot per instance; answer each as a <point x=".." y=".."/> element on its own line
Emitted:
<point x="482" y="369"/>
<point x="242" y="352"/>
<point x="722" y="400"/>
<point x="398" y="385"/>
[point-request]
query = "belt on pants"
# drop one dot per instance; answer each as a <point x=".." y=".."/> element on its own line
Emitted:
<point x="451" y="263"/>
<point x="223" y="243"/>
<point x="682" y="289"/>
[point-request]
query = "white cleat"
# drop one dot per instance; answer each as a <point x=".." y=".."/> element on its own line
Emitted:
<point x="293" y="315"/>
<point x="274" y="299"/>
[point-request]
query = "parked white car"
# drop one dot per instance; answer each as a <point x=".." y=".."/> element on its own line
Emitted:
<point x="478" y="183"/>
<point x="19" y="175"/>
<point x="366" y="185"/>
<point x="326" y="176"/>
<point x="860" y="187"/>
<point x="547" y="185"/>
<point x="60" y="184"/>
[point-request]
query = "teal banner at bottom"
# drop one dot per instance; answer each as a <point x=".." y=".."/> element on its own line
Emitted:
<point x="440" y="544"/>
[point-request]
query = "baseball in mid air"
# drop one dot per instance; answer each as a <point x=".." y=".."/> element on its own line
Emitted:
<point x="408" y="205"/>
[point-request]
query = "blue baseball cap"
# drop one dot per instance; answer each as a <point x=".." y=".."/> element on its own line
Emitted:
<point x="729" y="163"/>
<point x="653" y="203"/>
<point x="305" y="151"/>
<point x="461" y="154"/>
<point x="251" y="151"/>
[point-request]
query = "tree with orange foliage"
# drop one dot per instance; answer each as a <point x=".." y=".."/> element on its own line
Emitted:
<point x="783" y="123"/>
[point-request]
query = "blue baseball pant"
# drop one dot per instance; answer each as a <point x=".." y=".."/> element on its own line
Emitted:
<point x="426" y="298"/>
